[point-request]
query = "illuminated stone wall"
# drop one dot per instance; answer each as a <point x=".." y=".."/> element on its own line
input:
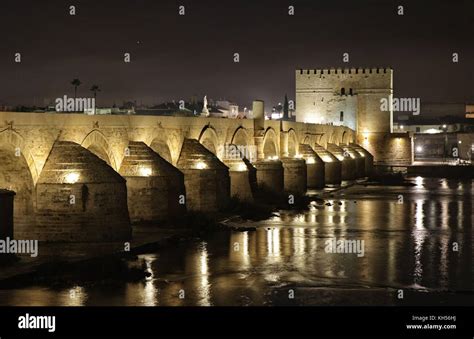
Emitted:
<point x="42" y="207"/>
<point x="392" y="149"/>
<point x="79" y="198"/>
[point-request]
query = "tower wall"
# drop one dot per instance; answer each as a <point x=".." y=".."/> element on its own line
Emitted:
<point x="321" y="93"/>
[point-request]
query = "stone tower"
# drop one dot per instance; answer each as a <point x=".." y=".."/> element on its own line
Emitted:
<point x="350" y="97"/>
<point x="322" y="94"/>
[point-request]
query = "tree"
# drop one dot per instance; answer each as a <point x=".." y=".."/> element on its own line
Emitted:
<point x="95" y="89"/>
<point x="285" y="109"/>
<point x="76" y="83"/>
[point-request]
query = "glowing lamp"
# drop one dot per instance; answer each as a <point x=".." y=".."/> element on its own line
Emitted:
<point x="201" y="165"/>
<point x="72" y="178"/>
<point x="145" y="171"/>
<point x="326" y="158"/>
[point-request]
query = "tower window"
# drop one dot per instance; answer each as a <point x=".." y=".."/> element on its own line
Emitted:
<point x="343" y="91"/>
<point x="350" y="91"/>
<point x="341" y="116"/>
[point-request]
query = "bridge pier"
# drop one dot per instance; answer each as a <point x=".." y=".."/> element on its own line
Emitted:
<point x="79" y="198"/>
<point x="154" y="186"/>
<point x="243" y="178"/>
<point x="270" y="175"/>
<point x="314" y="167"/>
<point x="368" y="159"/>
<point x="332" y="166"/>
<point x="294" y="175"/>
<point x="206" y="178"/>
<point x="348" y="166"/>
<point x="358" y="159"/>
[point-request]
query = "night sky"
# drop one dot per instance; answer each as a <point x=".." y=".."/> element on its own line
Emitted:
<point x="174" y="57"/>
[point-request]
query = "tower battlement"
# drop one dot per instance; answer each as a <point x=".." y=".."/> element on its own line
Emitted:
<point x="377" y="70"/>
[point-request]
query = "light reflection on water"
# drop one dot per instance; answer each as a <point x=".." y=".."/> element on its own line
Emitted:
<point x="407" y="245"/>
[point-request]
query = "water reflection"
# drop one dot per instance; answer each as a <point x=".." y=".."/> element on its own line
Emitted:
<point x="407" y="245"/>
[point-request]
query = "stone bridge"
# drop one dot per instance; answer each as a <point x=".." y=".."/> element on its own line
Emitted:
<point x="85" y="178"/>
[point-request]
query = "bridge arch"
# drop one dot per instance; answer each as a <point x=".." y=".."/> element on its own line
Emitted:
<point x="16" y="174"/>
<point x="12" y="138"/>
<point x="323" y="140"/>
<point x="293" y="148"/>
<point x="240" y="137"/>
<point x="350" y="137"/>
<point x="333" y="139"/>
<point x="209" y="139"/>
<point x="270" y="144"/>
<point x="167" y="143"/>
<point x="346" y="137"/>
<point x="97" y="143"/>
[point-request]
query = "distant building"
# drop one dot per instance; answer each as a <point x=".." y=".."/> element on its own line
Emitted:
<point x="469" y="111"/>
<point x="445" y="138"/>
<point x="230" y="109"/>
<point x="432" y="125"/>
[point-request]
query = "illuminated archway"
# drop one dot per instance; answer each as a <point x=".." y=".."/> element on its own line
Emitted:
<point x="13" y="139"/>
<point x="270" y="146"/>
<point x="323" y="140"/>
<point x="15" y="175"/>
<point x="97" y="143"/>
<point x="292" y="143"/>
<point x="240" y="137"/>
<point x="208" y="138"/>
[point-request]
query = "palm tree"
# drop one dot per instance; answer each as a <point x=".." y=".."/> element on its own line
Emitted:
<point x="95" y="89"/>
<point x="76" y="83"/>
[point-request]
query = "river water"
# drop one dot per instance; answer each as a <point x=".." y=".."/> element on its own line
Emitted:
<point x="417" y="250"/>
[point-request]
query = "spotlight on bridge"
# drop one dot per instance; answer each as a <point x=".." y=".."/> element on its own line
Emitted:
<point x="310" y="161"/>
<point x="71" y="178"/>
<point x="145" y="171"/>
<point x="326" y="158"/>
<point x="201" y="165"/>
<point x="241" y="167"/>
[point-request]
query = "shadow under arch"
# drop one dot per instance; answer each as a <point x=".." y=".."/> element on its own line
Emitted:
<point x="16" y="176"/>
